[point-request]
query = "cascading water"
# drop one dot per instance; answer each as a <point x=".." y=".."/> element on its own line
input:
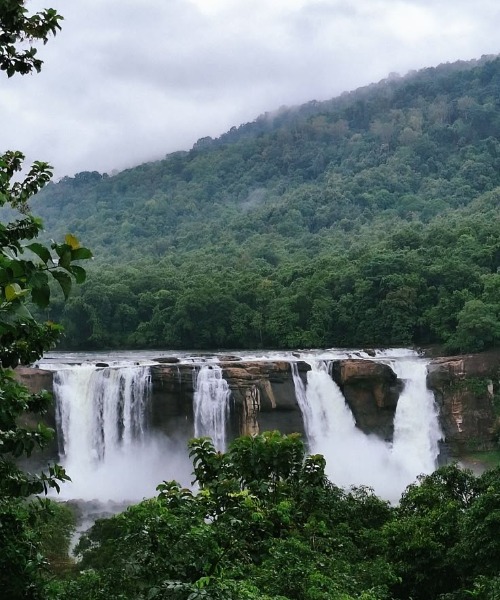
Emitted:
<point x="322" y="404"/>
<point x="100" y="411"/>
<point x="354" y="458"/>
<point x="211" y="405"/>
<point x="416" y="424"/>
<point x="102" y="425"/>
<point x="110" y="452"/>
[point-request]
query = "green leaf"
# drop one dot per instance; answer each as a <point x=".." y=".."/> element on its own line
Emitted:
<point x="64" y="281"/>
<point x="10" y="318"/>
<point x="79" y="273"/>
<point x="38" y="279"/>
<point x="41" y="251"/>
<point x="41" y="295"/>
<point x="65" y="259"/>
<point x="13" y="291"/>
<point x="81" y="254"/>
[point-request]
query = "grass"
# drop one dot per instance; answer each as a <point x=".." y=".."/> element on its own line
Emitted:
<point x="484" y="460"/>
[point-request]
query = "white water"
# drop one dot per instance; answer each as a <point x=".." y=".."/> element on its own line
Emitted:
<point x="211" y="405"/>
<point x="102" y="428"/>
<point x="112" y="455"/>
<point x="54" y="360"/>
<point x="322" y="404"/>
<point x="416" y="425"/>
<point x="355" y="459"/>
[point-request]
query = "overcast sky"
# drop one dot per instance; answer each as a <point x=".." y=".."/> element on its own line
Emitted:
<point x="127" y="81"/>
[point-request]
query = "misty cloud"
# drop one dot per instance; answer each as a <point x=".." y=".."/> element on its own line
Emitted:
<point x="129" y="81"/>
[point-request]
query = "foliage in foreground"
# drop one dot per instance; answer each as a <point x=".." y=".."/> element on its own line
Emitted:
<point x="27" y="268"/>
<point x="267" y="524"/>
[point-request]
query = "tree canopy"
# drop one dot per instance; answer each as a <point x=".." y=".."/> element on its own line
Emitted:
<point x="369" y="219"/>
<point x="267" y="524"/>
<point x="19" y="29"/>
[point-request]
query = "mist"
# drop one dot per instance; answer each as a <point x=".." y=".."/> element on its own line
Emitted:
<point x="102" y="103"/>
<point x="112" y="453"/>
<point x="128" y="475"/>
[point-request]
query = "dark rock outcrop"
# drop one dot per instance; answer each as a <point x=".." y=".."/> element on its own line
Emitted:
<point x="172" y="406"/>
<point x="372" y="390"/>
<point x="263" y="396"/>
<point x="172" y="360"/>
<point x="261" y="393"/>
<point x="37" y="380"/>
<point x="34" y="379"/>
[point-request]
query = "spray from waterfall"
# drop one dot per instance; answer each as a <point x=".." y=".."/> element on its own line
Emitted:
<point x="211" y="405"/>
<point x="111" y="452"/>
<point x="103" y="431"/>
<point x="354" y="458"/>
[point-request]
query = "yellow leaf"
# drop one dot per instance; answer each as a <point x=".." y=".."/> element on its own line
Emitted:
<point x="72" y="241"/>
<point x="12" y="291"/>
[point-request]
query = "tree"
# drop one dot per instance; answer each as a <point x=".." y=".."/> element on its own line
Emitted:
<point x="26" y="270"/>
<point x="18" y="28"/>
<point x="265" y="524"/>
<point x="478" y="327"/>
<point x="423" y="539"/>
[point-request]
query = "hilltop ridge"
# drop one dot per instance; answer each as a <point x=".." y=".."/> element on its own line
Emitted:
<point x="371" y="218"/>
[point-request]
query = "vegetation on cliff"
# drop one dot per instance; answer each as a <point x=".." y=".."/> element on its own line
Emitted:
<point x="370" y="219"/>
<point x="266" y="523"/>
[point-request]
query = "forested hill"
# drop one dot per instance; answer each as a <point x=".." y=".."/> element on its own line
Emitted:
<point x="370" y="219"/>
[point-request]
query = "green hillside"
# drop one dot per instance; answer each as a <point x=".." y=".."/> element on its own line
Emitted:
<point x="369" y="219"/>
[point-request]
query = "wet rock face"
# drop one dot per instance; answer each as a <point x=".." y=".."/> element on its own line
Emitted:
<point x="263" y="396"/>
<point x="372" y="391"/>
<point x="467" y="388"/>
<point x="172" y="406"/>
<point x="37" y="380"/>
<point x="34" y="379"/>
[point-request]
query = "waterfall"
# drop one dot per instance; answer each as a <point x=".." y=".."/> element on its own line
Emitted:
<point x="110" y="451"/>
<point x="416" y="424"/>
<point x="211" y="405"/>
<point x="322" y="404"/>
<point x="100" y="411"/>
<point x="102" y="424"/>
<point x="354" y="458"/>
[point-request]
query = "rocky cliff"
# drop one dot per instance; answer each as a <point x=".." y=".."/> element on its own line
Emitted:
<point x="263" y="395"/>
<point x="36" y="380"/>
<point x="467" y="390"/>
<point x="372" y="391"/>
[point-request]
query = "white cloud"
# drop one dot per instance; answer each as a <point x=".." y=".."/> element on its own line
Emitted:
<point x="128" y="81"/>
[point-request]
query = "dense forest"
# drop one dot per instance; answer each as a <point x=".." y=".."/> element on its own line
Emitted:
<point x="267" y="525"/>
<point x="369" y="219"/>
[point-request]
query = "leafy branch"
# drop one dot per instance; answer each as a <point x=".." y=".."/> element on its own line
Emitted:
<point x="18" y="29"/>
